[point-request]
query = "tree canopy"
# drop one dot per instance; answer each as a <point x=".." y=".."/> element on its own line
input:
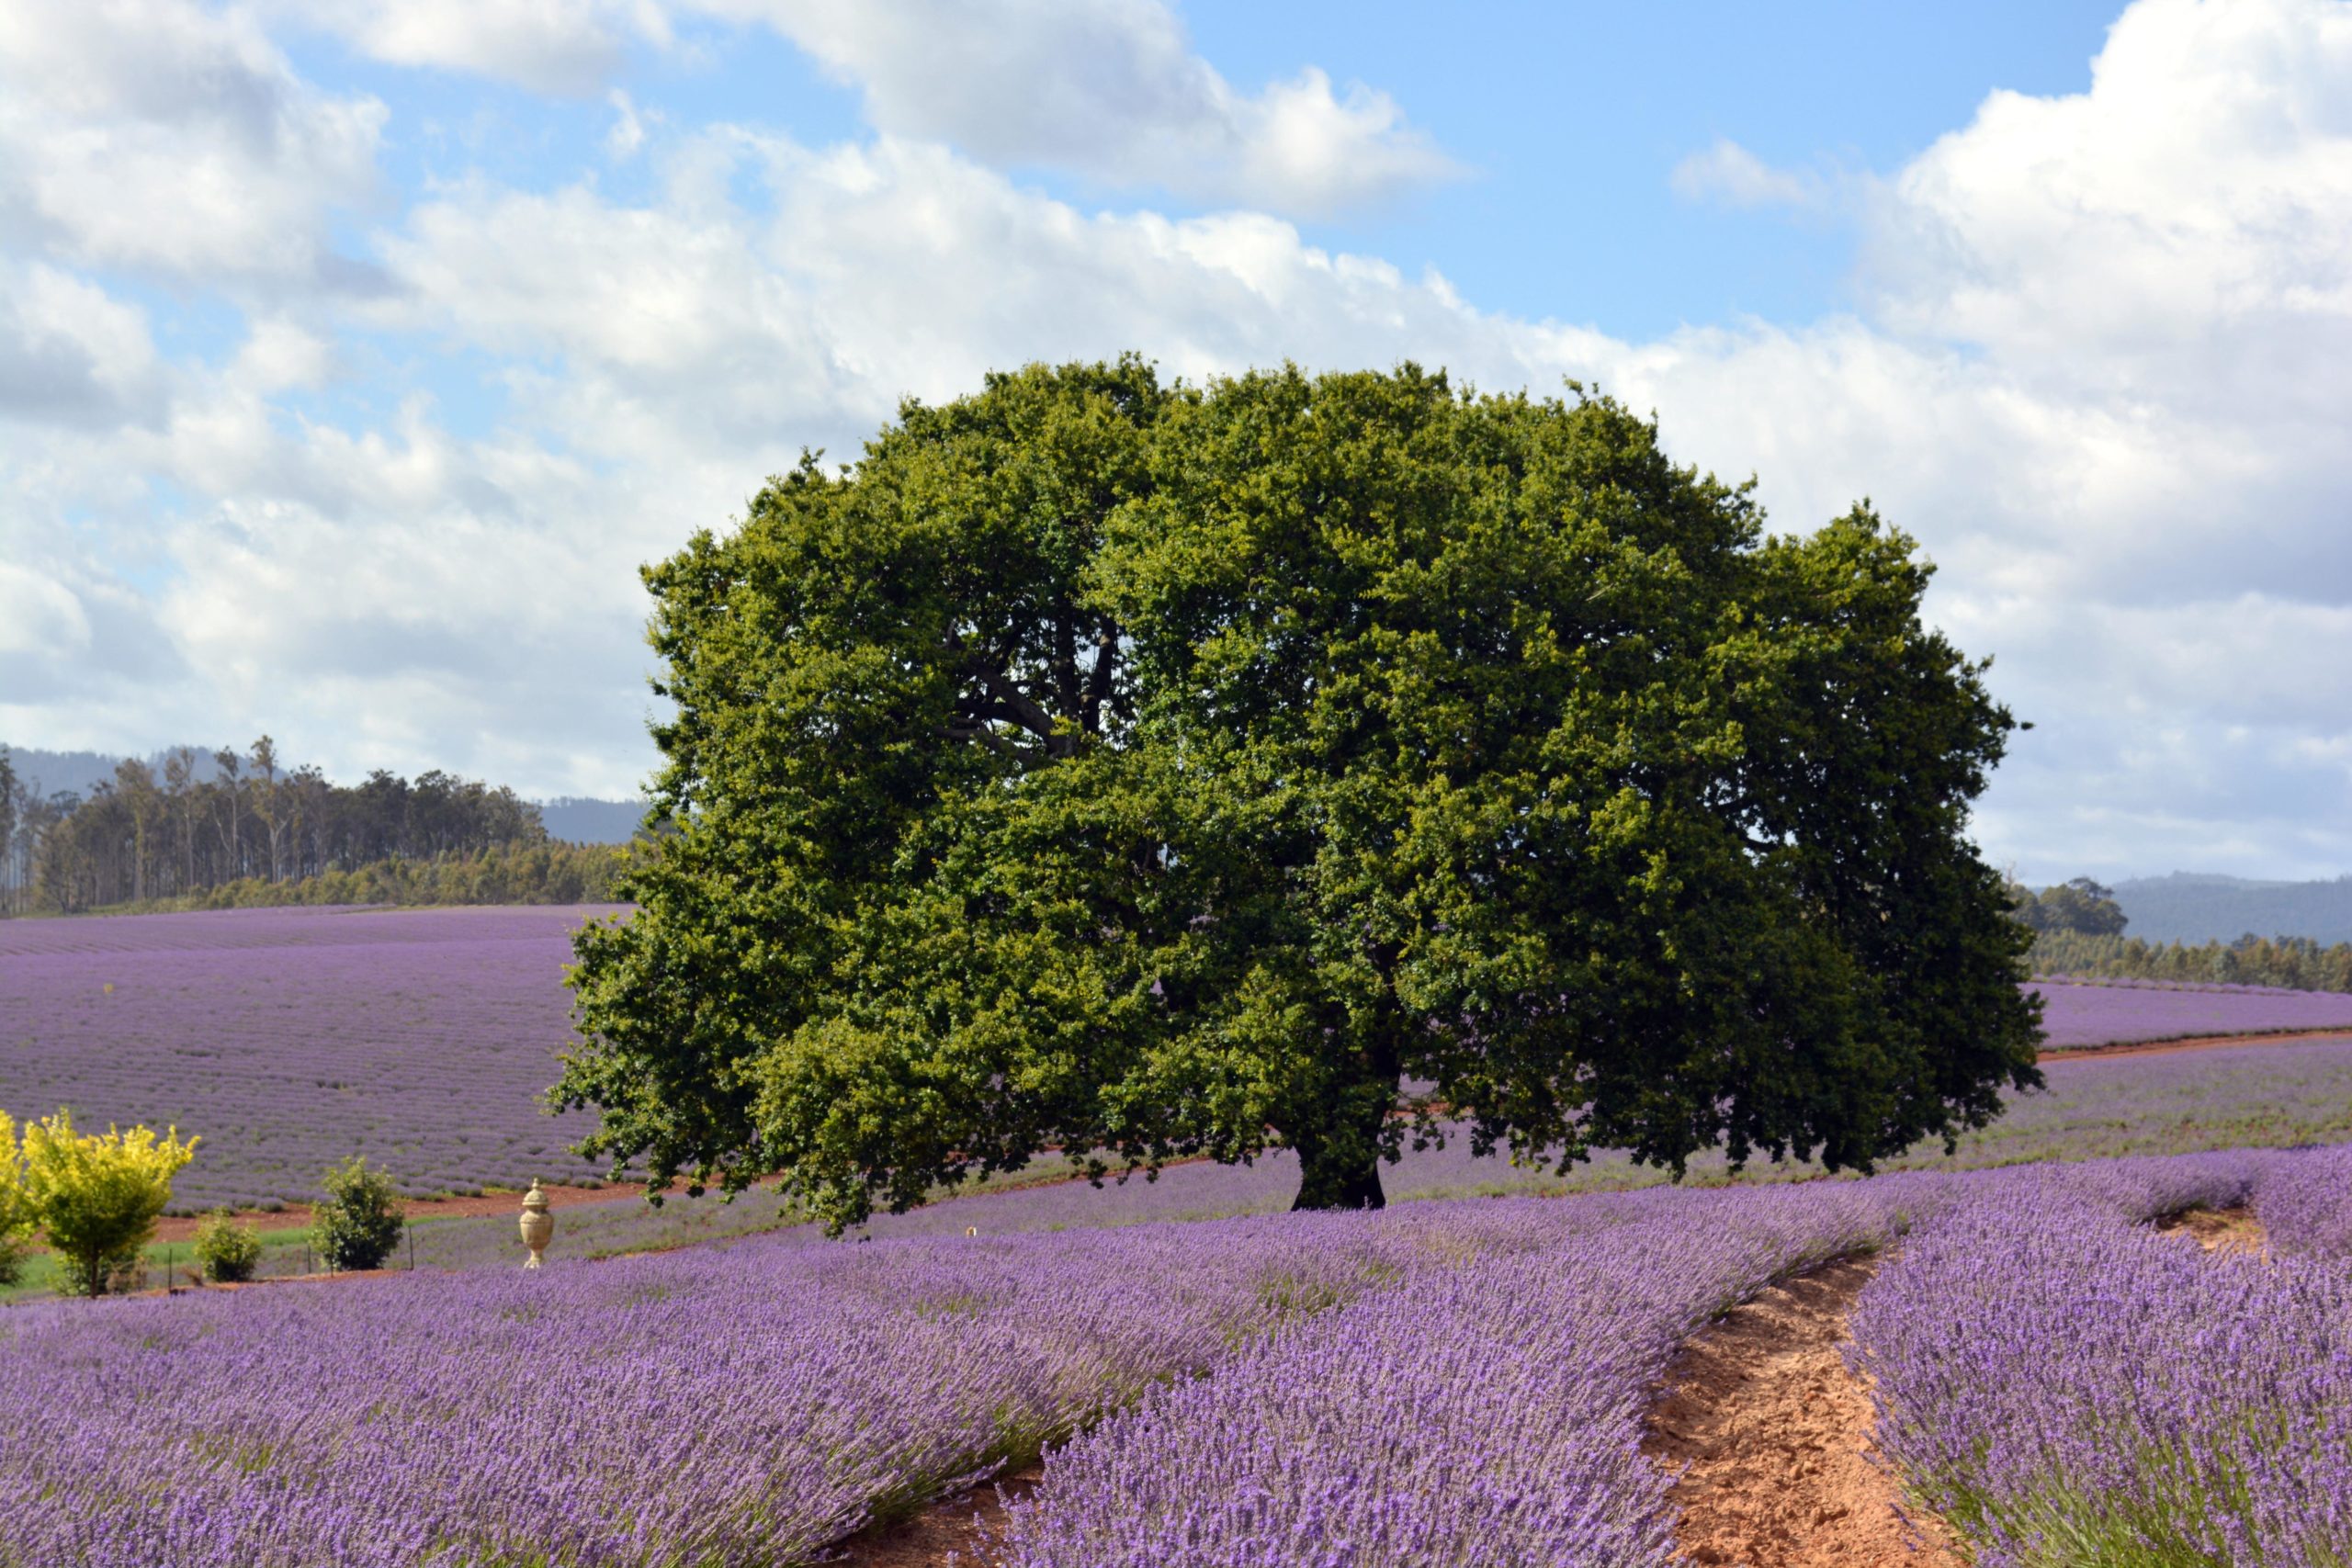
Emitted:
<point x="1149" y="772"/>
<point x="2080" y="906"/>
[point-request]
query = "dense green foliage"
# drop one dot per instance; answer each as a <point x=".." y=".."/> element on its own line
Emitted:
<point x="1152" y="772"/>
<point x="2081" y="907"/>
<point x="227" y="1250"/>
<point x="518" y="873"/>
<point x="2296" y="963"/>
<point x="358" y="1222"/>
<point x="252" y="832"/>
<point x="97" y="1196"/>
<point x="2078" y="930"/>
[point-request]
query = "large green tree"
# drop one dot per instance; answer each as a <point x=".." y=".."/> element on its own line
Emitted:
<point x="1144" y="773"/>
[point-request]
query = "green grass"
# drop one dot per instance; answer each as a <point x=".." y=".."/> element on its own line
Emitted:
<point x="282" y="1252"/>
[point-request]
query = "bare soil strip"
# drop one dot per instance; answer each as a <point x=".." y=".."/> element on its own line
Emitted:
<point x="2191" y="1042"/>
<point x="947" y="1530"/>
<point x="2232" y="1232"/>
<point x="1771" y="1437"/>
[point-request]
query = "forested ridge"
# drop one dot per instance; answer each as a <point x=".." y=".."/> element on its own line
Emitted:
<point x="2078" y="928"/>
<point x="225" y="829"/>
<point x="2296" y="963"/>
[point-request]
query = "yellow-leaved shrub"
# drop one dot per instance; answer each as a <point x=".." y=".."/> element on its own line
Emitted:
<point x="97" y="1196"/>
<point x="17" y="1223"/>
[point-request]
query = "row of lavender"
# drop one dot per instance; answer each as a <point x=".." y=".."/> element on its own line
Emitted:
<point x="2064" y="1385"/>
<point x="2142" y="983"/>
<point x="1449" y="1383"/>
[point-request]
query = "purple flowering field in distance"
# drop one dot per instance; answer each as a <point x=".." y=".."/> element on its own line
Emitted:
<point x="2098" y="1012"/>
<point x="288" y="1039"/>
<point x="423" y="1038"/>
<point x="2271" y="1096"/>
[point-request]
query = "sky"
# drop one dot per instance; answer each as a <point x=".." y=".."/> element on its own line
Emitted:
<point x="354" y="356"/>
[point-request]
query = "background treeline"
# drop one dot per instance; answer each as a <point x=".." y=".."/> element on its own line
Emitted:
<point x="550" y="873"/>
<point x="224" y="828"/>
<point x="2079" y="930"/>
<point x="2295" y="962"/>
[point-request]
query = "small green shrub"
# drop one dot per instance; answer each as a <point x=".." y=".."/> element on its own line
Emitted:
<point x="359" y="1223"/>
<point x="226" y="1251"/>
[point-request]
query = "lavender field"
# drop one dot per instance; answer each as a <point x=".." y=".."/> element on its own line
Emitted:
<point x="2239" y="1097"/>
<point x="2104" y="1012"/>
<point x="290" y="1038"/>
<point x="1446" y="1382"/>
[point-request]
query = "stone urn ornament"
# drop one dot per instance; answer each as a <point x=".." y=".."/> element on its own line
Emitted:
<point x="538" y="1225"/>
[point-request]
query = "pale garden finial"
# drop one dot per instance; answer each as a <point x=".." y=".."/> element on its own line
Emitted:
<point x="538" y="1225"/>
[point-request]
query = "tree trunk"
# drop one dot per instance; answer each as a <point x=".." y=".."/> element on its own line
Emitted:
<point x="1341" y="1176"/>
<point x="1339" y="1141"/>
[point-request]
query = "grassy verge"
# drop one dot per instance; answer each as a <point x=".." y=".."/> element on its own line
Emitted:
<point x="284" y="1251"/>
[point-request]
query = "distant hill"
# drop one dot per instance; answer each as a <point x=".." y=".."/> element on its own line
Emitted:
<point x="582" y="821"/>
<point x="574" y="819"/>
<point x="82" y="771"/>
<point x="2193" y="907"/>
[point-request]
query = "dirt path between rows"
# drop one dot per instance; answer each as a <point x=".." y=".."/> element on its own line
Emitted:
<point x="2228" y="1232"/>
<point x="947" y="1531"/>
<point x="2191" y="1042"/>
<point x="1770" y="1436"/>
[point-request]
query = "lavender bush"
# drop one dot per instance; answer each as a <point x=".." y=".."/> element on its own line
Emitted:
<point x="748" y="1404"/>
<point x="1446" y="1382"/>
<point x="2066" y="1386"/>
<point x="739" y="1406"/>
<point x="291" y="1038"/>
<point x="2305" y="1205"/>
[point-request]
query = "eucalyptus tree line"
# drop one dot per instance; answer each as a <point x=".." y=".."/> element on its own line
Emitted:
<point x="150" y="833"/>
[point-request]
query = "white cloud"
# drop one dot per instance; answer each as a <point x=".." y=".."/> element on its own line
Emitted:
<point x="2100" y="369"/>
<point x="2189" y="217"/>
<point x="563" y="47"/>
<point x="159" y="135"/>
<point x="278" y="355"/>
<point x="69" y="353"/>
<point x="627" y="134"/>
<point x="1729" y="173"/>
<point x="37" y="613"/>
<point x="1111" y="89"/>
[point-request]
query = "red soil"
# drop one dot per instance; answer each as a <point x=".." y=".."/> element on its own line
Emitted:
<point x="1770" y="1436"/>
<point x="2229" y="1232"/>
<point x="2196" y="1042"/>
<point x="183" y="1227"/>
<point x="947" y="1531"/>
